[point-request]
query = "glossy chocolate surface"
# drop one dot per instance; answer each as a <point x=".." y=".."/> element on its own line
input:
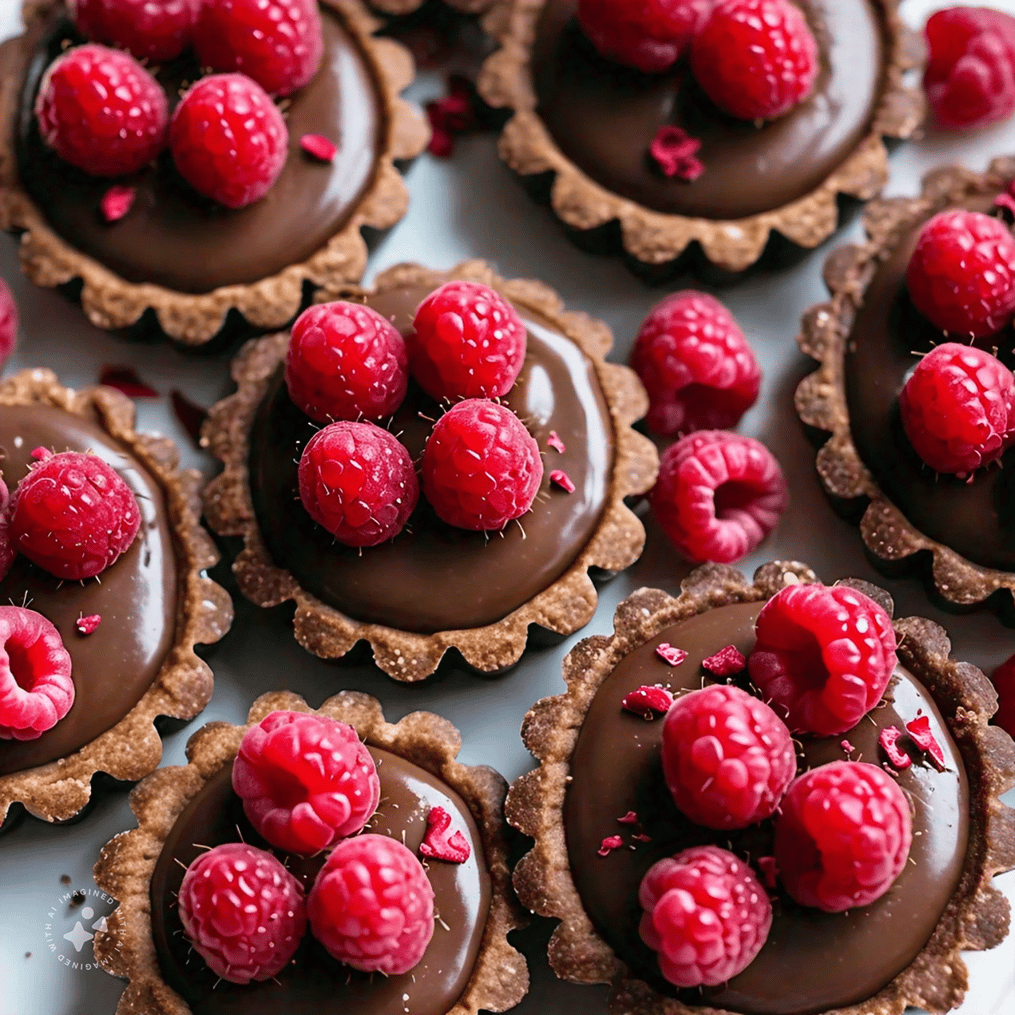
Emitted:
<point x="136" y="597"/>
<point x="174" y="237"/>
<point x="604" y="116"/>
<point x="433" y="577"/>
<point x="977" y="519"/>
<point x="314" y="983"/>
<point x="812" y="961"/>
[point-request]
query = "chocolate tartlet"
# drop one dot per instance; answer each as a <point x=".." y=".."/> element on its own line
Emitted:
<point x="156" y="602"/>
<point x="598" y="762"/>
<point x="959" y="535"/>
<point x="492" y="585"/>
<point x="179" y="255"/>
<point x="468" y="965"/>
<point x="397" y="8"/>
<point x="581" y="127"/>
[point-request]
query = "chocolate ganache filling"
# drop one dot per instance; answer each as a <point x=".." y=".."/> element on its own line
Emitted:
<point x="432" y="576"/>
<point x="603" y="116"/>
<point x="974" y="518"/>
<point x="812" y="961"/>
<point x="174" y="237"/>
<point x="314" y="983"/>
<point x="136" y="597"/>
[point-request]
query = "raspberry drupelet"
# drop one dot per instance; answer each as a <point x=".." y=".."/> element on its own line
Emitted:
<point x="149" y="31"/>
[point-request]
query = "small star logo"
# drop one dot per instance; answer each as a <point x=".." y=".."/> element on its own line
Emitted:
<point x="78" y="937"/>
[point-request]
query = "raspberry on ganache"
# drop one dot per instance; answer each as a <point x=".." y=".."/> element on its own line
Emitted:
<point x="306" y="781"/>
<point x="8" y="552"/>
<point x="842" y="836"/>
<point x="149" y="31"/>
<point x="242" y="911"/>
<point x="727" y="757"/>
<point x="823" y="656"/>
<point x="706" y="915"/>
<point x="8" y="323"/>
<point x="345" y="361"/>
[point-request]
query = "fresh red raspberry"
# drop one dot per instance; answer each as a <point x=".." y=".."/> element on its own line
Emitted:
<point x="101" y="111"/>
<point x="648" y="34"/>
<point x="306" y="781"/>
<point x="228" y="138"/>
<point x="822" y="656"/>
<point x="696" y="365"/>
<point x="8" y="323"/>
<point x="372" y="905"/>
<point x="7" y="549"/>
<point x="706" y="915"/>
<point x="242" y="911"/>
<point x="958" y="408"/>
<point x="961" y="276"/>
<point x="469" y="342"/>
<point x="727" y="757"/>
<point x="153" y="31"/>
<point x="842" y="836"/>
<point x="970" y="76"/>
<point x="718" y="495"/>
<point x="1004" y="680"/>
<point x="481" y="467"/>
<point x="756" y="59"/>
<point x="358" y="482"/>
<point x="36" y="687"/>
<point x="74" y="515"/>
<point x="346" y="362"/>
<point x="278" y="43"/>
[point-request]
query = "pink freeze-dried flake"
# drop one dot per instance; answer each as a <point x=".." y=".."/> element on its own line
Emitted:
<point x="888" y="739"/>
<point x="611" y="842"/>
<point x="87" y="625"/>
<point x="319" y="147"/>
<point x="441" y="841"/>
<point x="554" y="441"/>
<point x="646" y="701"/>
<point x="563" y="480"/>
<point x="725" y="662"/>
<point x="669" y="654"/>
<point x="920" y="732"/>
<point x="116" y="202"/>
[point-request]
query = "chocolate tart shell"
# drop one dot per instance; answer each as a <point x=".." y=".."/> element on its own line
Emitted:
<point x="978" y="914"/>
<point x="396" y="8"/>
<point x="892" y="540"/>
<point x="563" y="607"/>
<point x="499" y="978"/>
<point x="110" y="301"/>
<point x="132" y="748"/>
<point x="652" y="241"/>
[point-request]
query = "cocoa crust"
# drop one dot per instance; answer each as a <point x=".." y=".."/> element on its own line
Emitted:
<point x="183" y="685"/>
<point x="564" y="607"/>
<point x="657" y="238"/>
<point x="193" y="319"/>
<point x="821" y="396"/>
<point x="977" y="916"/>
<point x="126" y="949"/>
<point x="396" y="8"/>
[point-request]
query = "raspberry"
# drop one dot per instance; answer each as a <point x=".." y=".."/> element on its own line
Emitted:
<point x="727" y="757"/>
<point x="696" y="365"/>
<point x="823" y="656"/>
<point x="372" y="905"/>
<point x="242" y="911"/>
<point x="154" y="31"/>
<point x="842" y="836"/>
<point x="481" y="467"/>
<point x="101" y="111"/>
<point x="469" y="342"/>
<point x="706" y="915"/>
<point x="74" y="515"/>
<point x="228" y="138"/>
<point x="36" y="687"/>
<point x="970" y="76"/>
<point x="8" y="323"/>
<point x="961" y="275"/>
<point x="346" y="362"/>
<point x="648" y="34"/>
<point x="718" y="495"/>
<point x="7" y="549"/>
<point x="1004" y="680"/>
<point x="278" y="43"/>
<point x="306" y="781"/>
<point x="756" y="59"/>
<point x="958" y="408"/>
<point x="358" y="482"/>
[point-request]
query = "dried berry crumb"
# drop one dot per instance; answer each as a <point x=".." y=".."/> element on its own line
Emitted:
<point x="554" y="441"/>
<point x="320" y="147"/>
<point x="563" y="480"/>
<point x="675" y="152"/>
<point x="726" y="662"/>
<point x="888" y="739"/>
<point x="116" y="202"/>
<point x="441" y="842"/>
<point x="847" y="746"/>
<point x="87" y="625"/>
<point x="630" y="818"/>
<point x="646" y="701"/>
<point x="669" y="654"/>
<point x="611" y="842"/>
<point x="920" y="732"/>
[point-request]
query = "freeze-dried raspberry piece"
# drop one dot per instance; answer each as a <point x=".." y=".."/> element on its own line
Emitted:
<point x="675" y="152"/>
<point x="442" y="842"/>
<point x="725" y="662"/>
<point x="150" y="31"/>
<point x="888" y="738"/>
<point x="319" y="147"/>
<point x="8" y="323"/>
<point x="88" y="625"/>
<point x="647" y="700"/>
<point x="306" y="781"/>
<point x="923" y="736"/>
<point x="372" y="905"/>
<point x="668" y="653"/>
<point x="8" y="552"/>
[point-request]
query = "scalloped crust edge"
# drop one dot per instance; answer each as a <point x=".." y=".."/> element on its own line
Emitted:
<point x="977" y="916"/>
<point x="500" y="977"/>
<point x="396" y="8"/>
<point x="564" y="607"/>
<point x="193" y="319"/>
<point x="132" y="748"/>
<point x="656" y="238"/>
<point x="821" y="395"/>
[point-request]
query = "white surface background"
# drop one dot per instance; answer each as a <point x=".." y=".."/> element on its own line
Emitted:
<point x="467" y="206"/>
